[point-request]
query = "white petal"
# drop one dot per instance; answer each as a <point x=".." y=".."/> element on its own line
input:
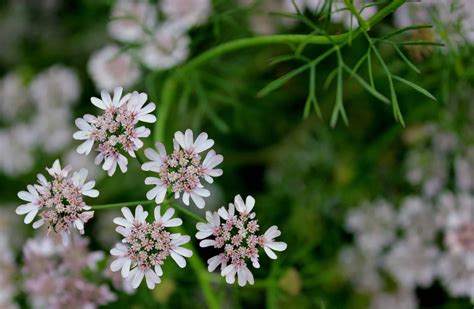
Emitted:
<point x="178" y="259"/>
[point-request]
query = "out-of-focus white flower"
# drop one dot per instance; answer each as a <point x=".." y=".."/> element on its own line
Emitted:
<point x="236" y="237"/>
<point x="167" y="47"/>
<point x="52" y="129"/>
<point x="146" y="246"/>
<point x="456" y="272"/>
<point x="59" y="202"/>
<point x="109" y="68"/>
<point x="131" y="19"/>
<point x="456" y="218"/>
<point x="115" y="131"/>
<point x="412" y="263"/>
<point x="361" y="268"/>
<point x="183" y="169"/>
<point x="428" y="169"/>
<point x="54" y="275"/>
<point x="57" y="86"/>
<point x="262" y="22"/>
<point x="340" y="13"/>
<point x="464" y="171"/>
<point x="13" y="100"/>
<point x="373" y="225"/>
<point x="402" y="299"/>
<point x="8" y="235"/>
<point x="186" y="13"/>
<point x="17" y="147"/>
<point x="415" y="13"/>
<point x="417" y="216"/>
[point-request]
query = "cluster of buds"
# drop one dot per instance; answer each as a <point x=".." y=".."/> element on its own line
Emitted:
<point x="237" y="237"/>
<point x="58" y="203"/>
<point x="183" y="169"/>
<point x="145" y="246"/>
<point x="115" y="132"/>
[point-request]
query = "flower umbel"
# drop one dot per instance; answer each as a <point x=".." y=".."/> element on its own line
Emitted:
<point x="183" y="169"/>
<point x="237" y="237"/>
<point x="115" y="131"/>
<point x="58" y="202"/>
<point x="146" y="246"/>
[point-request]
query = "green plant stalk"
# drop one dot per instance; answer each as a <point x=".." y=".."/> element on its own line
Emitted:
<point x="198" y="267"/>
<point x="125" y="204"/>
<point x="170" y="84"/>
<point x="356" y="13"/>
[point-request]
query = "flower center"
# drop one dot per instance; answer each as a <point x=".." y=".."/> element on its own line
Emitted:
<point x="237" y="237"/>
<point x="149" y="245"/>
<point x="61" y="203"/>
<point x="115" y="131"/>
<point x="182" y="170"/>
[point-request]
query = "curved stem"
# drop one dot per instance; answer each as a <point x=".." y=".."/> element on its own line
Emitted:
<point x="170" y="84"/>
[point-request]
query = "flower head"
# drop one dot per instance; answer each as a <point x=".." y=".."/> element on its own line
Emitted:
<point x="237" y="237"/>
<point x="167" y="47"/>
<point x="110" y="68"/>
<point x="130" y="18"/>
<point x="183" y="169"/>
<point x="115" y="132"/>
<point x="58" y="203"/>
<point x="187" y="13"/>
<point x="146" y="246"/>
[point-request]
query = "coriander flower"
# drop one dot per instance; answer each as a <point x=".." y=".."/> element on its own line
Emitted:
<point x="146" y="246"/>
<point x="110" y="68"/>
<point x="167" y="47"/>
<point x="114" y="132"/>
<point x="58" y="203"/>
<point x="54" y="87"/>
<point x="187" y="13"/>
<point x="237" y="237"/>
<point x="130" y="18"/>
<point x="183" y="169"/>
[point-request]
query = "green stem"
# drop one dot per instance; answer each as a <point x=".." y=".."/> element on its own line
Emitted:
<point x="125" y="204"/>
<point x="356" y="13"/>
<point x="147" y="202"/>
<point x="197" y="264"/>
<point x="170" y="83"/>
<point x="185" y="211"/>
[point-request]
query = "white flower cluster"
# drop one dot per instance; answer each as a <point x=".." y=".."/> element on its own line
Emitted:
<point x="58" y="203"/>
<point x="404" y="242"/>
<point x="145" y="246"/>
<point x="237" y="239"/>
<point x="50" y="95"/>
<point x="115" y="132"/>
<point x="158" y="33"/>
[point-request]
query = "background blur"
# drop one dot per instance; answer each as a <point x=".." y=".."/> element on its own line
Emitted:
<point x="369" y="210"/>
